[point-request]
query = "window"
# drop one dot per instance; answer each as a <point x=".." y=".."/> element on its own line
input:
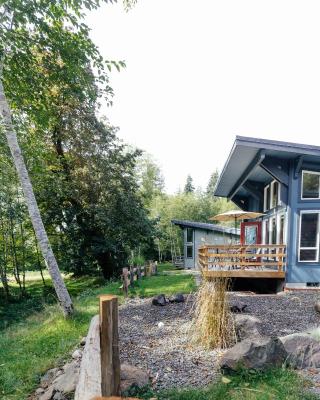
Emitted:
<point x="281" y="229"/>
<point x="275" y="194"/>
<point x="309" y="236"/>
<point x="266" y="232"/>
<point x="189" y="251"/>
<point x="310" y="185"/>
<point x="189" y="235"/>
<point x="271" y="196"/>
<point x="273" y="231"/>
<point x="266" y="206"/>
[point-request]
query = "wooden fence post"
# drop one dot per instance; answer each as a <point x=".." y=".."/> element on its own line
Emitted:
<point x="125" y="281"/>
<point x="156" y="267"/>
<point x="109" y="341"/>
<point x="131" y="276"/>
<point x="139" y="273"/>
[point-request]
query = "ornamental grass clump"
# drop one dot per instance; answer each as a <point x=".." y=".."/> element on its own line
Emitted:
<point x="213" y="325"/>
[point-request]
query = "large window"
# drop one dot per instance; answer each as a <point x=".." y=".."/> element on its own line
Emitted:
<point x="309" y="236"/>
<point x="310" y="185"/>
<point x="271" y="196"/>
<point x="189" y="242"/>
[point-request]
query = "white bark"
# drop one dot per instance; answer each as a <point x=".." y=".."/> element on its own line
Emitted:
<point x="50" y="260"/>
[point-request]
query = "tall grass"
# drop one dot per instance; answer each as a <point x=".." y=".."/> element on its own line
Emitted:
<point x="213" y="325"/>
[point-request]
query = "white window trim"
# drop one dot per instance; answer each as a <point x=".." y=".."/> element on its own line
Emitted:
<point x="271" y="205"/>
<point x="271" y="194"/>
<point x="312" y="173"/>
<point x="265" y="198"/>
<point x="279" y="216"/>
<point x="317" y="242"/>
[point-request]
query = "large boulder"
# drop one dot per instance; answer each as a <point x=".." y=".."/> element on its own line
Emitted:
<point x="132" y="377"/>
<point x="177" y="298"/>
<point x="258" y="353"/>
<point x="303" y="351"/>
<point x="159" y="300"/>
<point x="247" y="326"/>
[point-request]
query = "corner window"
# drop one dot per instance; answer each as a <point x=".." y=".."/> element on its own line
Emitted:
<point x="310" y="185"/>
<point x="271" y="196"/>
<point x="309" y="236"/>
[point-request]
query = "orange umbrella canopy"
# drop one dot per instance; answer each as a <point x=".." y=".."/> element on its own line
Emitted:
<point x="235" y="215"/>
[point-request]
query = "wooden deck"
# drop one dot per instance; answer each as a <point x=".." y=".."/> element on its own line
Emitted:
<point x="240" y="261"/>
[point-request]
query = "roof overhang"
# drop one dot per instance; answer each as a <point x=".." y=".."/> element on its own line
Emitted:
<point x="260" y="160"/>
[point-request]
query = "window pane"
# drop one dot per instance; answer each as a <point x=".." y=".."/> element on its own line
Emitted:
<point x="189" y="251"/>
<point x="281" y="236"/>
<point x="275" y="193"/>
<point x="251" y="234"/>
<point x="189" y="235"/>
<point x="266" y="236"/>
<point x="267" y="199"/>
<point x="274" y="232"/>
<point x="308" y="255"/>
<point x="310" y="186"/>
<point x="309" y="230"/>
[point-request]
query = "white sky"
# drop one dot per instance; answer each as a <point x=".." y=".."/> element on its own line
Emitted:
<point x="200" y="72"/>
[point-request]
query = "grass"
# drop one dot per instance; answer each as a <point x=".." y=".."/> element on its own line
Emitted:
<point x="34" y="336"/>
<point x="275" y="384"/>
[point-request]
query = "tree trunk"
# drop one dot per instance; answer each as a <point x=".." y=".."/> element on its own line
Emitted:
<point x="44" y="245"/>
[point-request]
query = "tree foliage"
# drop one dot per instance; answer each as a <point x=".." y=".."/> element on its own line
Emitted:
<point x="189" y="188"/>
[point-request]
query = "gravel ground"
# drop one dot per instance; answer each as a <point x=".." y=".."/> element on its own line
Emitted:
<point x="166" y="351"/>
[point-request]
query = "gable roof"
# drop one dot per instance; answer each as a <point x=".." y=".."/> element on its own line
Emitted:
<point x="246" y="150"/>
<point x="206" y="226"/>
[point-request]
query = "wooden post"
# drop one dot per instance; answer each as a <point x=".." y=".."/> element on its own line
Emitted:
<point x="139" y="273"/>
<point x="131" y="276"/>
<point x="89" y="384"/>
<point x="109" y="341"/>
<point x="125" y="281"/>
<point x="156" y="267"/>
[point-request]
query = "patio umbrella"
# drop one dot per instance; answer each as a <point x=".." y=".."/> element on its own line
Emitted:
<point x="235" y="215"/>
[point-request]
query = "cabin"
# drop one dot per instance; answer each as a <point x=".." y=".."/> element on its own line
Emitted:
<point x="197" y="234"/>
<point x="280" y="180"/>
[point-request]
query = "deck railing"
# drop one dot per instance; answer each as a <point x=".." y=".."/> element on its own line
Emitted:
<point x="259" y="260"/>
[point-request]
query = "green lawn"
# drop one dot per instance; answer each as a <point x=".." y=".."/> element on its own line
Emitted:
<point x="273" y="385"/>
<point x="35" y="337"/>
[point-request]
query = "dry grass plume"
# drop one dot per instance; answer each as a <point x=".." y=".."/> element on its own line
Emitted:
<point x="213" y="325"/>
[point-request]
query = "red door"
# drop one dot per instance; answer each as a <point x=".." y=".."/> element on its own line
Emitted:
<point x="251" y="233"/>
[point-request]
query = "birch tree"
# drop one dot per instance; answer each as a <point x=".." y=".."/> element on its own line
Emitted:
<point x="30" y="30"/>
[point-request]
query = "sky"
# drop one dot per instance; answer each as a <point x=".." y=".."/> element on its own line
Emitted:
<point x="198" y="73"/>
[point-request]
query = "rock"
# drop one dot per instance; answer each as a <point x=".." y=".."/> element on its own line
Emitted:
<point x="132" y="377"/>
<point x="303" y="351"/>
<point x="39" y="391"/>
<point x="67" y="382"/>
<point x="238" y="307"/>
<point x="159" y="300"/>
<point x="48" y="377"/>
<point x="59" y="396"/>
<point x="77" y="354"/>
<point x="177" y="298"/>
<point x="257" y="353"/>
<point x="247" y="326"/>
<point x="317" y="306"/>
<point x="83" y="341"/>
<point x="47" y="395"/>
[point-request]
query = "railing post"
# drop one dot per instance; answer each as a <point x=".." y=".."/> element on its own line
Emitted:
<point x="109" y="342"/>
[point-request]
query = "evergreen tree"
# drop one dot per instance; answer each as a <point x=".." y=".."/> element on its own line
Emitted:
<point x="189" y="188"/>
<point x="212" y="183"/>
